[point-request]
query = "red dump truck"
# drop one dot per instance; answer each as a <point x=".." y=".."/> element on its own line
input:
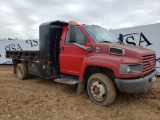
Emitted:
<point x="89" y="56"/>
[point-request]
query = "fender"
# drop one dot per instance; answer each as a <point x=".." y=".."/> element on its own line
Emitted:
<point x="104" y="64"/>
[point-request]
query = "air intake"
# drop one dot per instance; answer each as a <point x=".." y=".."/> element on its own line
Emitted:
<point x="116" y="51"/>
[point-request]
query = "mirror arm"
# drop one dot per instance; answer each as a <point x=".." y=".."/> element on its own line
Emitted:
<point x="89" y="49"/>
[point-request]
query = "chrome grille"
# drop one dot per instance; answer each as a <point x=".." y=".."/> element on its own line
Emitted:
<point x="149" y="62"/>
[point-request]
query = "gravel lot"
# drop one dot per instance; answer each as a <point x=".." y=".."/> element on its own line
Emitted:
<point x="41" y="99"/>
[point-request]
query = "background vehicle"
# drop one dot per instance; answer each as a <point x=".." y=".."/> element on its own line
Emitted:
<point x="16" y="44"/>
<point x="88" y="56"/>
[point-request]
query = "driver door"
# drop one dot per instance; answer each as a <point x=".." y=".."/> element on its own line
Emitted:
<point x="71" y="56"/>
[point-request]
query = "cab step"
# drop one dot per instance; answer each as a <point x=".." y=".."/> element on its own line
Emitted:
<point x="71" y="80"/>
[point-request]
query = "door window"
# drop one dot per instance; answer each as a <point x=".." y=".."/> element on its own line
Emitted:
<point x="80" y="37"/>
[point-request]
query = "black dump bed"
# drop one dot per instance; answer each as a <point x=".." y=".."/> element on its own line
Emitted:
<point x="45" y="62"/>
<point x="49" y="41"/>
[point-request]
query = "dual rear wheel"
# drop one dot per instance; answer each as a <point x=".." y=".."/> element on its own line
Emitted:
<point x="22" y="71"/>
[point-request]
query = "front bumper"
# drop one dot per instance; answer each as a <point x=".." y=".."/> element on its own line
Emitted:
<point x="136" y="85"/>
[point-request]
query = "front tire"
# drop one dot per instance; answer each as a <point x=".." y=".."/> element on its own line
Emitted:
<point x="22" y="71"/>
<point x="101" y="89"/>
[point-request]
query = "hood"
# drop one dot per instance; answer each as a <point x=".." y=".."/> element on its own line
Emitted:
<point x="137" y="49"/>
<point x="131" y="51"/>
<point x="128" y="48"/>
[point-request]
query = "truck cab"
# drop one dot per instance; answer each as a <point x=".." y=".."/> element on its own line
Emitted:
<point x="89" y="56"/>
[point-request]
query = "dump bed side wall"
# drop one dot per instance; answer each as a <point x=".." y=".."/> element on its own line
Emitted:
<point x="35" y="65"/>
<point x="27" y="55"/>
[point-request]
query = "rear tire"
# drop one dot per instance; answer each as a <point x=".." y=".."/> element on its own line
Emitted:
<point x="22" y="71"/>
<point x="101" y="89"/>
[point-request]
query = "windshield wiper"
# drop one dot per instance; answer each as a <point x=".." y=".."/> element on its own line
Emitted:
<point x="105" y="41"/>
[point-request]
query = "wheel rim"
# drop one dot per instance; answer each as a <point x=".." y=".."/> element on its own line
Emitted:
<point x="19" y="72"/>
<point x="97" y="90"/>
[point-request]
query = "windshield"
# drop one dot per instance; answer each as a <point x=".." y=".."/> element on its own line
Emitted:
<point x="99" y="34"/>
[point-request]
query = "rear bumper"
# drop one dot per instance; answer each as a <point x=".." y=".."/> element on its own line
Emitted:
<point x="136" y="85"/>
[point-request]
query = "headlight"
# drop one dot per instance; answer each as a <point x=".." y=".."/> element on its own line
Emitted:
<point x="131" y="68"/>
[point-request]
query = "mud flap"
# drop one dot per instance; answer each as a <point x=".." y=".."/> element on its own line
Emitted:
<point x="81" y="87"/>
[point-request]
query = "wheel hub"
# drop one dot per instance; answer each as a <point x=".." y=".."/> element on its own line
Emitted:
<point x="98" y="90"/>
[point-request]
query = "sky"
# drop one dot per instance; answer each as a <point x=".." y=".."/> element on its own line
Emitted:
<point x="21" y="18"/>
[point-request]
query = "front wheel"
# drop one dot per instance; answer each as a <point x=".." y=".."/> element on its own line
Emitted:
<point x="101" y="89"/>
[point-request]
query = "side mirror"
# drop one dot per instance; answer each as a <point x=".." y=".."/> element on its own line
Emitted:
<point x="121" y="37"/>
<point x="72" y="33"/>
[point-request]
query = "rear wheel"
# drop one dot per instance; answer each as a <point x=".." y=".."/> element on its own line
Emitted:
<point x="101" y="89"/>
<point x="22" y="71"/>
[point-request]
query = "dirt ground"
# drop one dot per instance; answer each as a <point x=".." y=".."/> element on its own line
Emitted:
<point x="41" y="99"/>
